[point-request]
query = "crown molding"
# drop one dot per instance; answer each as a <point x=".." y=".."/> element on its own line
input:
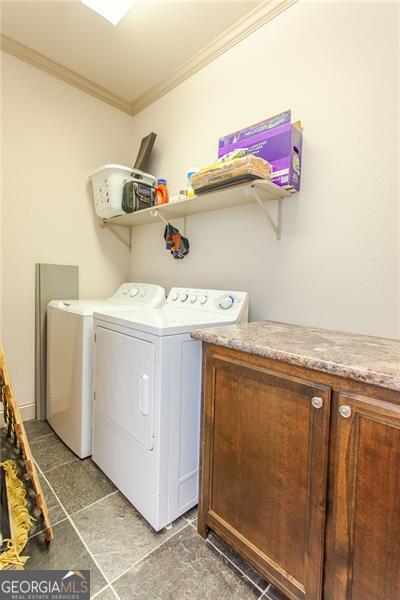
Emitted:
<point x="255" y="19"/>
<point x="53" y="68"/>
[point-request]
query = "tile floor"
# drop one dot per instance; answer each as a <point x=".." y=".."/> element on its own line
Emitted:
<point x="96" y="528"/>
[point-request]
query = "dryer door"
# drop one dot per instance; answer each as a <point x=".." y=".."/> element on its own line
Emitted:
<point x="124" y="383"/>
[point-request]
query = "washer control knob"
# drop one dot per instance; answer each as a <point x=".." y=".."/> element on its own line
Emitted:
<point x="226" y="302"/>
<point x="134" y="292"/>
<point x="175" y="296"/>
<point x="192" y="298"/>
<point x="184" y="297"/>
<point x="203" y="299"/>
<point x="125" y="292"/>
<point x="142" y="293"/>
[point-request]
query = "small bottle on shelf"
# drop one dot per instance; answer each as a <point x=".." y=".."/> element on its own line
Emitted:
<point x="162" y="196"/>
<point x="190" y="191"/>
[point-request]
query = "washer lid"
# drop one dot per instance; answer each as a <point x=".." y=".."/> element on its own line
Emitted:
<point x="82" y="307"/>
<point x="166" y="320"/>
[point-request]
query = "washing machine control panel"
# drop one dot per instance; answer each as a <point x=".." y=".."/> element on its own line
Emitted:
<point x="215" y="301"/>
<point x="133" y="294"/>
<point x="226" y="302"/>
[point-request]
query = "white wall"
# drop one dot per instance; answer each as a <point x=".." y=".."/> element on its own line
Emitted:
<point x="336" y="265"/>
<point x="53" y="136"/>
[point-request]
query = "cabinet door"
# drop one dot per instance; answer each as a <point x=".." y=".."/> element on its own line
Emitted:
<point x="265" y="451"/>
<point x="366" y="500"/>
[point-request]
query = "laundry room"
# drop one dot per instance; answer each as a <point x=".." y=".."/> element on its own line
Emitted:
<point x="200" y="300"/>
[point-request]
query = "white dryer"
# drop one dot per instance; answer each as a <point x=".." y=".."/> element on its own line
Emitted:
<point x="146" y="418"/>
<point x="70" y="359"/>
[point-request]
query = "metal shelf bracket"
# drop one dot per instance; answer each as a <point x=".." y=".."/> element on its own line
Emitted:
<point x="113" y="228"/>
<point x="276" y="223"/>
<point x="156" y="213"/>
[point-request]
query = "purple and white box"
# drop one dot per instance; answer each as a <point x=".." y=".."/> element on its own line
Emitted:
<point x="248" y="132"/>
<point x="280" y="145"/>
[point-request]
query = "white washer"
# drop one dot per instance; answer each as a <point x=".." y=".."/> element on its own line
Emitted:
<point x="146" y="416"/>
<point x="70" y="359"/>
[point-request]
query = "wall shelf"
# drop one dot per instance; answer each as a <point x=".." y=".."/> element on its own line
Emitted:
<point x="260" y="191"/>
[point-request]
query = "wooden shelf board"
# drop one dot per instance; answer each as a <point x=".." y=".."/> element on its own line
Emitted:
<point x="216" y="200"/>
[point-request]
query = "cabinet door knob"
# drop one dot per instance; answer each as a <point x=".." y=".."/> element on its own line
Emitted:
<point x="345" y="411"/>
<point x="317" y="402"/>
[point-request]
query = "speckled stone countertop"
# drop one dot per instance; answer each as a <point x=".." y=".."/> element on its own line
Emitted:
<point x="363" y="358"/>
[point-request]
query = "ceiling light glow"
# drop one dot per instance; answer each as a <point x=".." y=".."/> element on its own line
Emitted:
<point x="112" y="10"/>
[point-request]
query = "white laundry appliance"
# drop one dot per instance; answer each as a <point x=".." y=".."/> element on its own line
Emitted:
<point x="146" y="418"/>
<point x="69" y="403"/>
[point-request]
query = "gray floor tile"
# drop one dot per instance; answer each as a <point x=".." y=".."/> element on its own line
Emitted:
<point x="185" y="568"/>
<point x="56" y="512"/>
<point x="274" y="594"/>
<point x="35" y="429"/>
<point x="247" y="569"/>
<point x="49" y="452"/>
<point x="117" y="535"/>
<point x="79" y="483"/>
<point x="191" y="515"/>
<point x="106" y="594"/>
<point x="66" y="551"/>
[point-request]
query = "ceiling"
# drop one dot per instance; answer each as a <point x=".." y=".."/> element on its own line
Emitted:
<point x="156" y="45"/>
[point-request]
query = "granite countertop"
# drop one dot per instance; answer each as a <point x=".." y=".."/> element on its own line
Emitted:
<point x="363" y="358"/>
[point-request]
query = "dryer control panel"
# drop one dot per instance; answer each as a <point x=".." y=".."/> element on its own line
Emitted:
<point x="214" y="301"/>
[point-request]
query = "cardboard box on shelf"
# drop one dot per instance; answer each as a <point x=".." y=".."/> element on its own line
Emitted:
<point x="248" y="132"/>
<point x="280" y="145"/>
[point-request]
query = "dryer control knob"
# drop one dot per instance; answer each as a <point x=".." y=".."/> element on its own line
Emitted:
<point x="125" y="292"/>
<point x="184" y="297"/>
<point x="142" y="293"/>
<point x="203" y="299"/>
<point x="226" y="302"/>
<point x="175" y="297"/>
<point x="134" y="292"/>
<point x="192" y="298"/>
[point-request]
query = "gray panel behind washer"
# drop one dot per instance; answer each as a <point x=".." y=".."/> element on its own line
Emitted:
<point x="53" y="282"/>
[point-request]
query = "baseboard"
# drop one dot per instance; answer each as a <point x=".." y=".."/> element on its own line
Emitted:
<point x="27" y="413"/>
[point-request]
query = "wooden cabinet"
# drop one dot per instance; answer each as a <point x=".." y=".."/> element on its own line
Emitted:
<point x="265" y="467"/>
<point x="311" y="498"/>
<point x="366" y="500"/>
